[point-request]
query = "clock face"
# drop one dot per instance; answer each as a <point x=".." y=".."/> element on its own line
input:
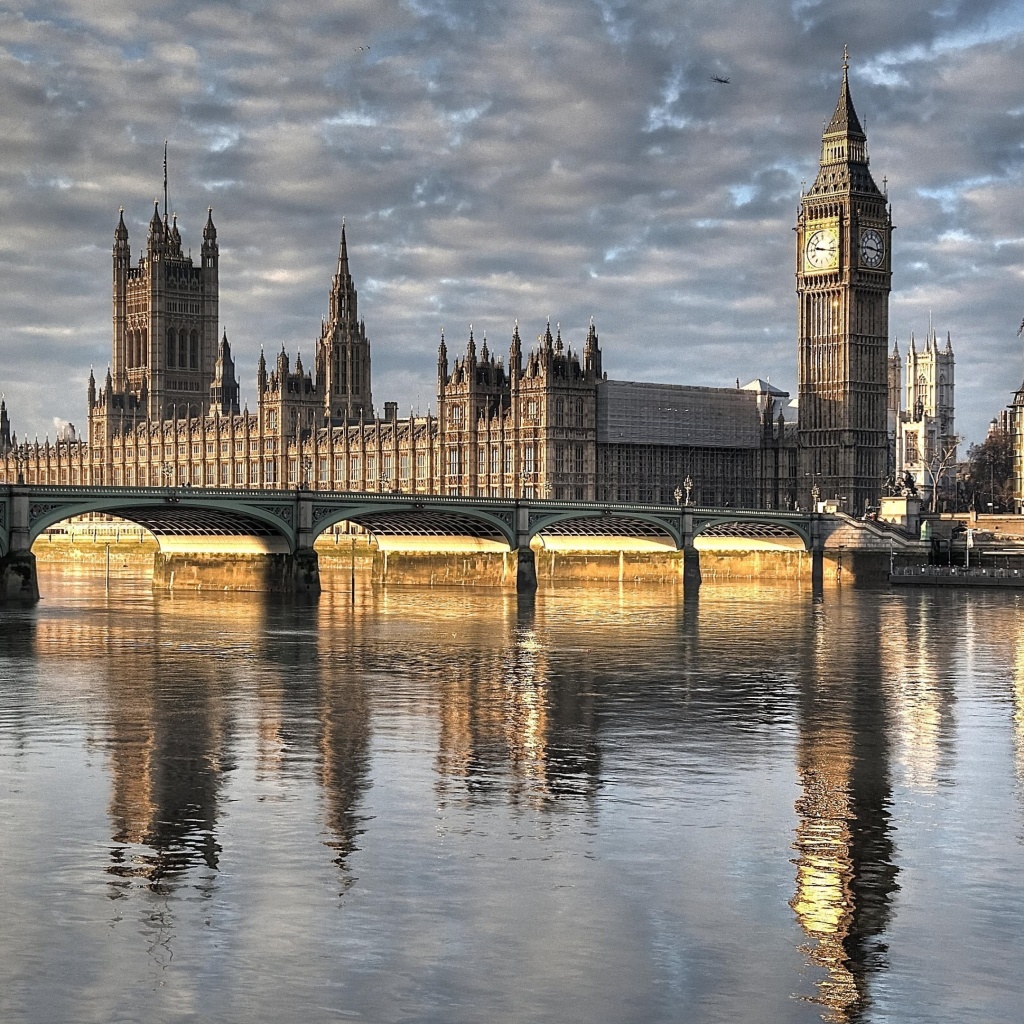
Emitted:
<point x="872" y="248"/>
<point x="822" y="249"/>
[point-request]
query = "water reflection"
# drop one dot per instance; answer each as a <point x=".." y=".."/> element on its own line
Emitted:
<point x="592" y="791"/>
<point x="845" y="871"/>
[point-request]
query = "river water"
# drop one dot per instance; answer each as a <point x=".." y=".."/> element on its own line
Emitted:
<point x="447" y="806"/>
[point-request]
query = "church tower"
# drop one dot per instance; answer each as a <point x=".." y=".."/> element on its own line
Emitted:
<point x="843" y="275"/>
<point x="343" y="353"/>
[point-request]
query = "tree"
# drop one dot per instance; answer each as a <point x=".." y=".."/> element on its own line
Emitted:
<point x="939" y="465"/>
<point x="989" y="476"/>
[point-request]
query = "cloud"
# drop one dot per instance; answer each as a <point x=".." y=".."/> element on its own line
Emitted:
<point x="501" y="160"/>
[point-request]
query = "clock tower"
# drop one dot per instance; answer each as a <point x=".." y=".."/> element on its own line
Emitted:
<point x="843" y="279"/>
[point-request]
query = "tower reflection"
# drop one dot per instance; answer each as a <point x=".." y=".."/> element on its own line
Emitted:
<point x="514" y="725"/>
<point x="845" y="876"/>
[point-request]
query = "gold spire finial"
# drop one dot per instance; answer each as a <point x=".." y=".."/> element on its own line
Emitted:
<point x="846" y="58"/>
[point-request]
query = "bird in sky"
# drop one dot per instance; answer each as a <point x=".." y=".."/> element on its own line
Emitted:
<point x="1020" y="330"/>
<point x="719" y="79"/>
<point x="359" y="49"/>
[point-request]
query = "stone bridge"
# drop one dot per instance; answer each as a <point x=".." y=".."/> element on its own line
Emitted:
<point x="263" y="540"/>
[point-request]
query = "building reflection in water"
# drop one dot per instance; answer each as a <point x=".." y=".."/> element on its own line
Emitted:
<point x="513" y="727"/>
<point x="845" y="877"/>
<point x="169" y="733"/>
<point x="918" y="648"/>
<point x="1018" y="700"/>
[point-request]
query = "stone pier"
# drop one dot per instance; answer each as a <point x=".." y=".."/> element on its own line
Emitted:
<point x="216" y="565"/>
<point x="18" y="580"/>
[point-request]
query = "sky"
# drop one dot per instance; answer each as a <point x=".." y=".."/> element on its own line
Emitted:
<point x="498" y="160"/>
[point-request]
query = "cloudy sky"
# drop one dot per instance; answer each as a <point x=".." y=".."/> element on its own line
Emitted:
<point x="497" y="159"/>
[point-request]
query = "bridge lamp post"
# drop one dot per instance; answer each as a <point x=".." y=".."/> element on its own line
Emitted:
<point x="307" y="465"/>
<point x="20" y="458"/>
<point x="167" y="472"/>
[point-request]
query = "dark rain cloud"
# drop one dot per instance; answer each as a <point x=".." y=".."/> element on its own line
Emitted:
<point x="498" y="160"/>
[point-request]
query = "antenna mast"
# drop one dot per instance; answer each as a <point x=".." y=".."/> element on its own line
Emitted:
<point x="165" y="179"/>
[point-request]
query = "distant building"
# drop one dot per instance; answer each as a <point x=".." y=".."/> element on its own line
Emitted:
<point x="922" y="423"/>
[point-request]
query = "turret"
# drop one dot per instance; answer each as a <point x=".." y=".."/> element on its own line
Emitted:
<point x="515" y="355"/>
<point x="92" y="388"/>
<point x="5" y="428"/>
<point x="261" y="373"/>
<point x="442" y="363"/>
<point x="224" y="389"/>
<point x="210" y="250"/>
<point x="155" y="241"/>
<point x="592" y="353"/>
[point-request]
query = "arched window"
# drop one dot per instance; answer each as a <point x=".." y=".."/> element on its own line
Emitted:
<point x="183" y="350"/>
<point x="194" y="350"/>
<point x="172" y="349"/>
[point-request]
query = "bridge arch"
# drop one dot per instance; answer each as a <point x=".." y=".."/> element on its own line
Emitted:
<point x="751" y="526"/>
<point x="608" y="522"/>
<point x="183" y="514"/>
<point x="418" y="518"/>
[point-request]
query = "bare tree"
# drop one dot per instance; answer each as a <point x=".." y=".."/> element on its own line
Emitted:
<point x="940" y="464"/>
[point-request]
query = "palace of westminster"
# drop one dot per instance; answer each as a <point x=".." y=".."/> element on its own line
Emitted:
<point x="543" y="423"/>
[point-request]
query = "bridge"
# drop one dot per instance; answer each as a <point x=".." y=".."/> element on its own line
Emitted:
<point x="263" y="539"/>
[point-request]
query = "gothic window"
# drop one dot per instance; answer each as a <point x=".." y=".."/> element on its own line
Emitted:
<point x="509" y="460"/>
<point x="529" y="457"/>
<point x="481" y="461"/>
<point x="270" y="472"/>
<point x="323" y="470"/>
<point x="579" y="412"/>
<point x="194" y="350"/>
<point x="183" y="350"/>
<point x="240" y="473"/>
<point x="559" y="458"/>
<point x="495" y="460"/>
<point x="531" y="409"/>
<point x="456" y="415"/>
<point x="272" y="419"/>
<point x="559" y="412"/>
<point x="454" y="462"/>
<point x="172" y="349"/>
<point x="421" y="465"/>
<point x="254" y="472"/>
<point x="353" y="468"/>
<point x="339" y="468"/>
<point x="404" y="465"/>
<point x="578" y="459"/>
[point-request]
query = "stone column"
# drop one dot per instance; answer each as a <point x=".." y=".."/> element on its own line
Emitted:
<point x="18" y="579"/>
<point x="526" y="562"/>
<point x="691" y="558"/>
<point x="817" y="556"/>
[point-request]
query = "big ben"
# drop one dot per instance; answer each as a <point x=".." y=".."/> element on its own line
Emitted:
<point x="843" y="279"/>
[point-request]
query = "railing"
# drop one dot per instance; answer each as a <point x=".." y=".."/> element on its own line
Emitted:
<point x="956" y="572"/>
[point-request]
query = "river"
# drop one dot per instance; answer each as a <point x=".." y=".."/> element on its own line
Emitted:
<point x="444" y="805"/>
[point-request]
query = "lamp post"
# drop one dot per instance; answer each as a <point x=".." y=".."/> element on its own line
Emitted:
<point x="20" y="453"/>
<point x="167" y="472"/>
